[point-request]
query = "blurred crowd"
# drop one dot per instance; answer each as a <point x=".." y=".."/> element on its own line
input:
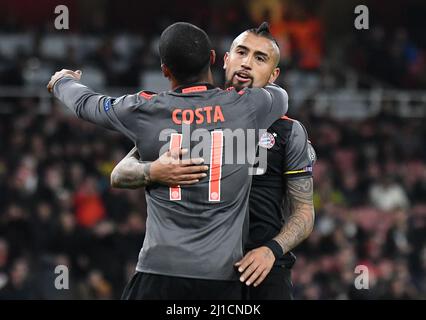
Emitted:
<point x="391" y="56"/>
<point x="370" y="188"/>
<point x="119" y="48"/>
<point x="57" y="208"/>
<point x="56" y="204"/>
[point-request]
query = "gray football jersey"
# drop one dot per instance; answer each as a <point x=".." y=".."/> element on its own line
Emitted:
<point x="191" y="231"/>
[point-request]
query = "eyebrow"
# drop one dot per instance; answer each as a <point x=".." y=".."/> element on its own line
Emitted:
<point x="256" y="52"/>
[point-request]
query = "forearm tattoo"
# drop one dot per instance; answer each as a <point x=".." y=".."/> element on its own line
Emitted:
<point x="131" y="173"/>
<point x="301" y="220"/>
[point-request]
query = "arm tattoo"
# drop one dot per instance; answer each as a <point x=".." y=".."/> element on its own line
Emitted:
<point x="301" y="220"/>
<point x="131" y="173"/>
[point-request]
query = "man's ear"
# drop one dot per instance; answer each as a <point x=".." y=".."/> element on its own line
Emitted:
<point x="274" y="75"/>
<point x="225" y="60"/>
<point x="212" y="57"/>
<point x="166" y="71"/>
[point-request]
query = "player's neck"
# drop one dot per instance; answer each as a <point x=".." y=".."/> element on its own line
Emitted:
<point x="205" y="78"/>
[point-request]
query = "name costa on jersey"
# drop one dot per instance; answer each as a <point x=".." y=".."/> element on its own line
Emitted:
<point x="199" y="115"/>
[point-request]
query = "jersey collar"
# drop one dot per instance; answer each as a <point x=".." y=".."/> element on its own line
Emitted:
<point x="194" y="87"/>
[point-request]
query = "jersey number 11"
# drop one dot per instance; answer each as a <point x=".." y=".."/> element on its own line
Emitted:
<point x="216" y="149"/>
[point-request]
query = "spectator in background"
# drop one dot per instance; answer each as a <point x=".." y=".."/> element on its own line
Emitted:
<point x="19" y="286"/>
<point x="387" y="194"/>
<point x="397" y="243"/>
<point x="307" y="39"/>
<point x="96" y="287"/>
<point x="89" y="206"/>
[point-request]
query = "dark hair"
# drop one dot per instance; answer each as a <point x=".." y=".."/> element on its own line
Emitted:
<point x="185" y="50"/>
<point x="263" y="31"/>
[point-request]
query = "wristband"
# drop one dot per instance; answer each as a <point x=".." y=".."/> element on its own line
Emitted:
<point x="275" y="248"/>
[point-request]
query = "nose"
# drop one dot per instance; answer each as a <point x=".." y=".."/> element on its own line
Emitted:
<point x="246" y="63"/>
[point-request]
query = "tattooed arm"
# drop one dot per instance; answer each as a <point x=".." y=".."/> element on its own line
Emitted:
<point x="131" y="173"/>
<point x="302" y="215"/>
<point x="256" y="264"/>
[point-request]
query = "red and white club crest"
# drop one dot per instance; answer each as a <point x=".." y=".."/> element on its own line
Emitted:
<point x="267" y="140"/>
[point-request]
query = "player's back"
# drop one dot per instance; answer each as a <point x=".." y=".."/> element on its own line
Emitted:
<point x="190" y="231"/>
<point x="196" y="231"/>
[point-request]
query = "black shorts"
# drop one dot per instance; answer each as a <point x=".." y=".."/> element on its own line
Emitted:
<point x="276" y="286"/>
<point x="146" y="286"/>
